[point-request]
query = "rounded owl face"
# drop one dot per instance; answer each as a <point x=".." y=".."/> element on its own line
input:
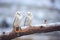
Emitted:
<point x="29" y="13"/>
<point x="18" y="13"/>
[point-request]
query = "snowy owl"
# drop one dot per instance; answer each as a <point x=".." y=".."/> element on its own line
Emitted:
<point x="17" y="20"/>
<point x="28" y="19"/>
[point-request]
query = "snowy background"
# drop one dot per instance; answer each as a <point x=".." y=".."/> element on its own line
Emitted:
<point x="41" y="9"/>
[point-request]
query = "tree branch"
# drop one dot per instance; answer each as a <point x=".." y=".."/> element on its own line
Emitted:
<point x="30" y="30"/>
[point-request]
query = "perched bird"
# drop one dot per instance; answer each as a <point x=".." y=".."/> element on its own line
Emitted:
<point x="17" y="20"/>
<point x="45" y="21"/>
<point x="28" y="19"/>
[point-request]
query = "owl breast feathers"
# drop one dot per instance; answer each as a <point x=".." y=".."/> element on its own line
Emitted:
<point x="28" y="20"/>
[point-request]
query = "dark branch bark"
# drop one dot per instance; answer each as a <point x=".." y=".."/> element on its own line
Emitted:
<point x="30" y="30"/>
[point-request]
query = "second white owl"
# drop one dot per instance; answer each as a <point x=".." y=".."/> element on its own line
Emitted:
<point x="28" y="19"/>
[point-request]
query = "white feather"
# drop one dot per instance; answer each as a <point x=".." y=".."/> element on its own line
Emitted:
<point x="17" y="21"/>
<point x="28" y="19"/>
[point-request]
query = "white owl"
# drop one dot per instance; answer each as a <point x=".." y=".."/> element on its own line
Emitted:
<point x="17" y="20"/>
<point x="28" y="19"/>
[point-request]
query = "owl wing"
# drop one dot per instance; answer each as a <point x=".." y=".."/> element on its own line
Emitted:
<point x="28" y="21"/>
<point x="17" y="21"/>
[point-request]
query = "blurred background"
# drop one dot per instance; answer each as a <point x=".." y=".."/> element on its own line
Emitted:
<point x="41" y="9"/>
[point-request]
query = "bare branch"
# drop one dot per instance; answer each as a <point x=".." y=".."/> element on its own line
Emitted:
<point x="30" y="30"/>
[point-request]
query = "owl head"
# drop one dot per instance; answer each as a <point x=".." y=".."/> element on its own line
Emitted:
<point x="29" y="13"/>
<point x="18" y="13"/>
